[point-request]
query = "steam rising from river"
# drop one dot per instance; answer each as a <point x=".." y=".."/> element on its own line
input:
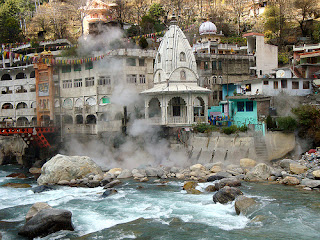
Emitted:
<point x="142" y="145"/>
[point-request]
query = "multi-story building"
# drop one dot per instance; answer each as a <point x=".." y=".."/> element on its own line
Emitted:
<point x="223" y="63"/>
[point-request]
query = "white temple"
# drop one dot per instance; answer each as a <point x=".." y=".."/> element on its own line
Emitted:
<point x="176" y="99"/>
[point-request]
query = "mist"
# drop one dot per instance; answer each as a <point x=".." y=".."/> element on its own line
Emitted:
<point x="142" y="144"/>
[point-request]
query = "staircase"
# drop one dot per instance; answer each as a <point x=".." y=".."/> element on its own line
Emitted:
<point x="260" y="147"/>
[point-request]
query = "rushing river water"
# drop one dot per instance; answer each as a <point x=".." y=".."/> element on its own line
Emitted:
<point x="164" y="211"/>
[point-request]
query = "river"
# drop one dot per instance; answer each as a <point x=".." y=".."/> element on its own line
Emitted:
<point x="165" y="211"/>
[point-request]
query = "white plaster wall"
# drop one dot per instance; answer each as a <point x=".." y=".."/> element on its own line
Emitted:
<point x="266" y="57"/>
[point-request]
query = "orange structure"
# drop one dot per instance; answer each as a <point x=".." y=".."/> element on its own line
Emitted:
<point x="44" y="89"/>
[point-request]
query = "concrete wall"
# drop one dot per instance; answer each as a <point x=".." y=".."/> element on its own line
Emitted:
<point x="229" y="149"/>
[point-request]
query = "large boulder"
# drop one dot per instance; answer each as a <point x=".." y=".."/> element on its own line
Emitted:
<point x="218" y="176"/>
<point x="226" y="194"/>
<point x="289" y="180"/>
<point x="41" y="188"/>
<point x="316" y="174"/>
<point x="197" y="167"/>
<point x="62" y="167"/>
<point x="247" y="163"/>
<point x="190" y="187"/>
<point x="259" y="172"/>
<point x="35" y="208"/>
<point x="310" y="183"/>
<point x="296" y="168"/>
<point x="244" y="204"/>
<point x="216" y="169"/>
<point x="231" y="182"/>
<point x="108" y="192"/>
<point x="285" y="163"/>
<point x="112" y="184"/>
<point x="47" y="221"/>
<point x="126" y="173"/>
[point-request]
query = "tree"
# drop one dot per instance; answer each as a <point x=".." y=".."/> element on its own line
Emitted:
<point x="139" y="9"/>
<point x="238" y="8"/>
<point x="306" y="9"/>
<point x="308" y="122"/>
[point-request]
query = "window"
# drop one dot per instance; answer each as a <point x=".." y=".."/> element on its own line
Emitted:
<point x="284" y="84"/>
<point x="206" y="65"/>
<point x="89" y="65"/>
<point x="104" y="80"/>
<point x="295" y="85"/>
<point x="220" y="65"/>
<point x="306" y="85"/>
<point x="182" y="57"/>
<point x="66" y="68"/>
<point x="77" y="83"/>
<point x="275" y="85"/>
<point x="240" y="106"/>
<point x="67" y="84"/>
<point x="260" y="72"/>
<point x="182" y="75"/>
<point x="131" y="78"/>
<point x="141" y="62"/>
<point x="265" y="82"/>
<point x="249" y="106"/>
<point x="77" y="67"/>
<point x="142" y="78"/>
<point x="214" y="65"/>
<point x="131" y="62"/>
<point x="89" y="81"/>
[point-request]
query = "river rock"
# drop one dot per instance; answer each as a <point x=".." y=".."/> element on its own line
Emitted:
<point x="190" y="187"/>
<point x="231" y="182"/>
<point x="63" y="182"/>
<point x="93" y="183"/>
<point x="17" y="175"/>
<point x="285" y="163"/>
<point x="310" y="183"/>
<point x="115" y="171"/>
<point x="35" y="208"/>
<point x="41" y="188"/>
<point x="296" y="168"/>
<point x="226" y="194"/>
<point x="126" y="173"/>
<point x="316" y="174"/>
<point x="289" y="180"/>
<point x="180" y="176"/>
<point x="247" y="163"/>
<point x="243" y="204"/>
<point x="151" y="172"/>
<point x="108" y="192"/>
<point x="211" y="188"/>
<point x="218" y="176"/>
<point x="17" y="185"/>
<point x="216" y="169"/>
<point x="145" y="179"/>
<point x="197" y="167"/>
<point x="112" y="184"/>
<point x="62" y="167"/>
<point x="259" y="172"/>
<point x="35" y="171"/>
<point x="139" y="173"/>
<point x="47" y="221"/>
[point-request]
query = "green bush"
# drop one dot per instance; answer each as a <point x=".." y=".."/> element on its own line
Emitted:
<point x="270" y="123"/>
<point x="230" y="130"/>
<point x="204" y="128"/>
<point x="243" y="128"/>
<point x="288" y="124"/>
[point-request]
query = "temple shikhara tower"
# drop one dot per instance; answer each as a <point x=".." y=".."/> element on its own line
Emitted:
<point x="176" y="98"/>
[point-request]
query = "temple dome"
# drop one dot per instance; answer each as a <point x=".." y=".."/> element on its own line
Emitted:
<point x="207" y="28"/>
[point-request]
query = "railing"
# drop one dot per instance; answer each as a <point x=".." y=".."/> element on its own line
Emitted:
<point x="154" y="120"/>
<point x="177" y="120"/>
<point x="80" y="128"/>
<point x="201" y="119"/>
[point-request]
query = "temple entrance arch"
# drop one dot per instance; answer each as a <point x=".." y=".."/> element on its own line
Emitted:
<point x="154" y="108"/>
<point x="198" y="110"/>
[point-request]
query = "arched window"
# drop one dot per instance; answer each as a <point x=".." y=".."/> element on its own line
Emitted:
<point x="67" y="119"/>
<point x="104" y="100"/>
<point x="91" y="119"/>
<point x="21" y="105"/>
<point x="159" y="58"/>
<point x="6" y="77"/>
<point x="32" y="74"/>
<point x="67" y="103"/>
<point x="91" y="101"/>
<point x="22" y="121"/>
<point x="78" y="103"/>
<point x="183" y="75"/>
<point x="21" y="75"/>
<point x="182" y="57"/>
<point x="159" y="77"/>
<point x="7" y="106"/>
<point x="34" y="105"/>
<point x="79" y="119"/>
